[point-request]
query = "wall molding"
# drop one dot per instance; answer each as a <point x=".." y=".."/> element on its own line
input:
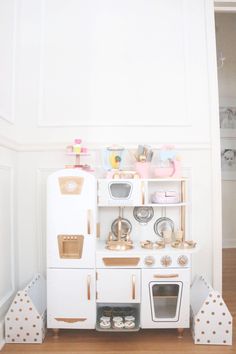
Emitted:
<point x="11" y="119"/>
<point x="60" y="146"/>
<point x="42" y="122"/>
<point x="10" y="292"/>
<point x="8" y="143"/>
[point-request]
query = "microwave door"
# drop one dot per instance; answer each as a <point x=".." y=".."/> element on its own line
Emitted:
<point x="165" y="298"/>
<point x="120" y="190"/>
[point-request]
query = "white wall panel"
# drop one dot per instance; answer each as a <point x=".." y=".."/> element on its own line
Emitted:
<point x="7" y="271"/>
<point x="125" y="63"/>
<point x="7" y="58"/>
<point x="8" y="238"/>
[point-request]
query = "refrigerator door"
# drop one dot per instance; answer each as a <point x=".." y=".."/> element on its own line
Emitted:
<point x="71" y="298"/>
<point x="71" y="219"/>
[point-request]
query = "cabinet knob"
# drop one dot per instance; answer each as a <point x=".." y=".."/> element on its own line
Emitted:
<point x="182" y="260"/>
<point x="166" y="261"/>
<point x="149" y="260"/>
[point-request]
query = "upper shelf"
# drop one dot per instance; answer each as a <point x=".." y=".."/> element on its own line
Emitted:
<point x="157" y="205"/>
<point x="157" y="193"/>
<point x="182" y="179"/>
<point x="77" y="154"/>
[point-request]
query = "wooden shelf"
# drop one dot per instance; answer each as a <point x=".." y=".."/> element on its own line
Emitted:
<point x="77" y="154"/>
<point x="145" y="205"/>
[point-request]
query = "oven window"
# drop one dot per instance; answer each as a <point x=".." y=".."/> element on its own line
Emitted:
<point x="120" y="190"/>
<point x="165" y="300"/>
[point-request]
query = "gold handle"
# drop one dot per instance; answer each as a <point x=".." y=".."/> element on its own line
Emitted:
<point x="166" y="276"/>
<point x="183" y="209"/>
<point x="89" y="287"/>
<point x="70" y="320"/>
<point x="89" y="222"/>
<point x="142" y="192"/>
<point x="133" y="287"/>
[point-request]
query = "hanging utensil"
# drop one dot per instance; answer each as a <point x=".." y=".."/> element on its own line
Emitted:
<point x="121" y="228"/>
<point x="162" y="224"/>
<point x="143" y="214"/>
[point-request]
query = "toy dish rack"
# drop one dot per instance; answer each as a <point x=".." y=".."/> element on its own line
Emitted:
<point x="25" y="321"/>
<point x="211" y="321"/>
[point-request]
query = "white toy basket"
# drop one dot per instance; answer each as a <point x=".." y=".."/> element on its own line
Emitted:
<point x="211" y="321"/>
<point x="25" y="321"/>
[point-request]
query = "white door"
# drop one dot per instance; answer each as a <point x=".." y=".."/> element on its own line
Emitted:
<point x="165" y="298"/>
<point x="71" y="298"/>
<point x="118" y="285"/>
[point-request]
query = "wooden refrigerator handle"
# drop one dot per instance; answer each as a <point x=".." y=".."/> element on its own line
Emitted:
<point x="89" y="287"/>
<point x="133" y="287"/>
<point x="89" y="221"/>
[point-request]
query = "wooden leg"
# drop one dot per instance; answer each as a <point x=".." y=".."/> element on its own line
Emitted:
<point x="56" y="333"/>
<point x="180" y="332"/>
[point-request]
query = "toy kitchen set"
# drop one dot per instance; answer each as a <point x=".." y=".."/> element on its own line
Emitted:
<point x="117" y="247"/>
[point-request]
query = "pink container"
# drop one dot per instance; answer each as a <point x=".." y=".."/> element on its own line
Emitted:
<point x="174" y="170"/>
<point x="143" y="169"/>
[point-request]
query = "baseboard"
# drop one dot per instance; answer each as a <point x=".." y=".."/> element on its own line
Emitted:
<point x="229" y="243"/>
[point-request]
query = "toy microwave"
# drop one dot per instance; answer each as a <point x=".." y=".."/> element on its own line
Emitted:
<point x="120" y="192"/>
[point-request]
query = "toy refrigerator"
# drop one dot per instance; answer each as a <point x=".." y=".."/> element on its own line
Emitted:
<point x="71" y="237"/>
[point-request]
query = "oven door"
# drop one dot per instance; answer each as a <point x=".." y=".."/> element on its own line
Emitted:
<point x="165" y="298"/>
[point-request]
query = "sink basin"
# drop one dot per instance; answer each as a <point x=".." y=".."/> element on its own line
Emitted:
<point x="119" y="245"/>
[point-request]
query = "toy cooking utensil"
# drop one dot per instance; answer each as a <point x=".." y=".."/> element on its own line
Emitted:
<point x="143" y="214"/>
<point x="162" y="224"/>
<point x="125" y="227"/>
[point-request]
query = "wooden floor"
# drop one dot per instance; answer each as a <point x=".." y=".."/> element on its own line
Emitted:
<point x="142" y="342"/>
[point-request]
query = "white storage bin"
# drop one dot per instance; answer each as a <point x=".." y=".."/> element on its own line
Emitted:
<point x="211" y="321"/>
<point x="25" y="321"/>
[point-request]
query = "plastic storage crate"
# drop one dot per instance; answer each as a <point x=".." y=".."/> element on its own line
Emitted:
<point x="25" y="321"/>
<point x="211" y="321"/>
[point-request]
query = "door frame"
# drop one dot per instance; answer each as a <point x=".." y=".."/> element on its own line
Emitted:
<point x="212" y="7"/>
<point x="225" y="6"/>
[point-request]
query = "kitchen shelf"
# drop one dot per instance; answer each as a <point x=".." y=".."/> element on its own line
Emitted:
<point x="77" y="154"/>
<point x="99" y="329"/>
<point x="158" y="205"/>
<point x="136" y="309"/>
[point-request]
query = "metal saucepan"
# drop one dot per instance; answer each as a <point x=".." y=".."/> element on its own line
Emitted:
<point x="143" y="214"/>
<point x="163" y="224"/>
<point x="125" y="227"/>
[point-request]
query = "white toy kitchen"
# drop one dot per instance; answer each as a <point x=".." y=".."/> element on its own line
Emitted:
<point x="118" y="252"/>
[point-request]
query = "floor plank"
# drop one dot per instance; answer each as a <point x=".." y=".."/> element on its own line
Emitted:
<point x="142" y="342"/>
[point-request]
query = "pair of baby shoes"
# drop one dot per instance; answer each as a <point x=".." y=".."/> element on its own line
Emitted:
<point x="117" y="322"/>
<point x="128" y="322"/>
<point x="105" y="322"/>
